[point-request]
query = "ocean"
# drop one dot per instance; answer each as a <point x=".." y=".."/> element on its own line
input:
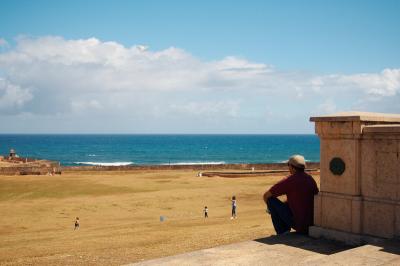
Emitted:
<point x="117" y="150"/>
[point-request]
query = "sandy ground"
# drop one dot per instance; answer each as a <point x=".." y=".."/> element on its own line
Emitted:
<point x="120" y="215"/>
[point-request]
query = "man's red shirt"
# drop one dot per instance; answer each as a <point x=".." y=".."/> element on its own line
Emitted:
<point x="299" y="189"/>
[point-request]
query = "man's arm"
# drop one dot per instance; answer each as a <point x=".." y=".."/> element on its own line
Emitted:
<point x="278" y="189"/>
<point x="267" y="195"/>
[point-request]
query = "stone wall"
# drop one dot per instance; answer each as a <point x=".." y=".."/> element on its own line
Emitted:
<point x="33" y="167"/>
<point x="197" y="167"/>
<point x="359" y="190"/>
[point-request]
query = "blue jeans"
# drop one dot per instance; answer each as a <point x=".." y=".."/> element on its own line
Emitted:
<point x="281" y="215"/>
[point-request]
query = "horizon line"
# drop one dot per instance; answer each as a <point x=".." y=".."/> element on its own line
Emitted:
<point x="157" y="134"/>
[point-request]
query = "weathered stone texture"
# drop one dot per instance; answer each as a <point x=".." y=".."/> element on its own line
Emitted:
<point x="378" y="219"/>
<point x="365" y="199"/>
<point x="346" y="150"/>
<point x="338" y="216"/>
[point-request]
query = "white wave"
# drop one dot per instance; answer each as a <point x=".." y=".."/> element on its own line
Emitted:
<point x="286" y="161"/>
<point x="92" y="155"/>
<point x="193" y="163"/>
<point x="105" y="163"/>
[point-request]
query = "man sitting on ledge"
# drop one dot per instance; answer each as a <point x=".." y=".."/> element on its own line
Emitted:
<point x="299" y="188"/>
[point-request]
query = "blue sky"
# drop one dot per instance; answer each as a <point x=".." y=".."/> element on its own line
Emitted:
<point x="283" y="53"/>
<point x="323" y="36"/>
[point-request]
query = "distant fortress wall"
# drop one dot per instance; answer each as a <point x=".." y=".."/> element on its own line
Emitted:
<point x="24" y="170"/>
<point x="28" y="166"/>
<point x="197" y="167"/>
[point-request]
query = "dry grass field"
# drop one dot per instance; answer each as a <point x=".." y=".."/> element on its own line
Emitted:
<point x="120" y="215"/>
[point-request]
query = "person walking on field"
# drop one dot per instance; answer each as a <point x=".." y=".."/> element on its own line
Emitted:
<point x="299" y="188"/>
<point x="233" y="207"/>
<point x="205" y="212"/>
<point x="76" y="223"/>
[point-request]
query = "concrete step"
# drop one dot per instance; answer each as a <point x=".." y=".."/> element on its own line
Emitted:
<point x="381" y="253"/>
<point x="291" y="249"/>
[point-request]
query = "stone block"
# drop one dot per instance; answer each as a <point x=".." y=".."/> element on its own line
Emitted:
<point x="346" y="149"/>
<point x="398" y="145"/>
<point x="379" y="172"/>
<point x="348" y="238"/>
<point x="387" y="172"/>
<point x="317" y="209"/>
<point x="357" y="127"/>
<point x="386" y="129"/>
<point x="397" y="223"/>
<point x="356" y="222"/>
<point x="368" y="168"/>
<point x="318" y="128"/>
<point x="336" y="213"/>
<point x="378" y="219"/>
<point x="385" y="145"/>
<point x="336" y="128"/>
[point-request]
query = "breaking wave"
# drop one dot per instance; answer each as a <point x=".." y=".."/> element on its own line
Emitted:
<point x="105" y="163"/>
<point x="193" y="163"/>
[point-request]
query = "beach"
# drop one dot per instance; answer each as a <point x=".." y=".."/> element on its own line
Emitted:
<point x="120" y="211"/>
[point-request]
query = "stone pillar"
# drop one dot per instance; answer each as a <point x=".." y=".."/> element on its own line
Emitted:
<point x="360" y="177"/>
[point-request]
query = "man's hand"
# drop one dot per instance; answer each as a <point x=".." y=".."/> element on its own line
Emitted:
<point x="267" y="195"/>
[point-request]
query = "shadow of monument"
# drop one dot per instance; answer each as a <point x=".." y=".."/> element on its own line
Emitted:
<point x="321" y="246"/>
<point x="391" y="246"/>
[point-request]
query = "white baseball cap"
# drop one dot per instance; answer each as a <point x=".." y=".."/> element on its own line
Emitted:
<point x="297" y="161"/>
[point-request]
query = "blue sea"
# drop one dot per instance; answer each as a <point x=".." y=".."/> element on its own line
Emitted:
<point x="161" y="149"/>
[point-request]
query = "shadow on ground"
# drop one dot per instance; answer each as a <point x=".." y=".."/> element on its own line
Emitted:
<point x="322" y="246"/>
<point x="391" y="246"/>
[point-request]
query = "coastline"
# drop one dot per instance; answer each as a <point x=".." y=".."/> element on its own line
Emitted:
<point x="197" y="167"/>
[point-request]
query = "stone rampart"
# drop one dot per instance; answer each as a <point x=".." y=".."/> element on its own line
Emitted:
<point x="22" y="166"/>
<point x="197" y="167"/>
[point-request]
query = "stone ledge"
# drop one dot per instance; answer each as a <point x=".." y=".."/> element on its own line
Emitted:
<point x="357" y="116"/>
<point x="290" y="249"/>
<point x="348" y="238"/>
<point x="382" y="129"/>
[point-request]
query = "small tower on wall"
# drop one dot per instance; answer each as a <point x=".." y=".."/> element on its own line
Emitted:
<point x="13" y="154"/>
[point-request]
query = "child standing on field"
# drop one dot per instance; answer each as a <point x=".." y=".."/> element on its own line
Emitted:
<point x="205" y="212"/>
<point x="76" y="223"/>
<point x="233" y="207"/>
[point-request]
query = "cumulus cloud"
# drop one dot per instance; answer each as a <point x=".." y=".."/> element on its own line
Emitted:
<point x="222" y="108"/>
<point x="88" y="77"/>
<point x="12" y="97"/>
<point x="386" y="83"/>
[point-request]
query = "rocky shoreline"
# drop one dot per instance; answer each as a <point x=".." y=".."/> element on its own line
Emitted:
<point x="197" y="167"/>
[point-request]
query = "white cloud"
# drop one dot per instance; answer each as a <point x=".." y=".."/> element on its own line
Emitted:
<point x="207" y="109"/>
<point x="3" y="42"/>
<point x="386" y="83"/>
<point x="12" y="97"/>
<point x="327" y="107"/>
<point x="54" y="76"/>
<point x="83" y="106"/>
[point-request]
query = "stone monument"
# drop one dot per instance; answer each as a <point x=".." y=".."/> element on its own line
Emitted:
<point x="359" y="197"/>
